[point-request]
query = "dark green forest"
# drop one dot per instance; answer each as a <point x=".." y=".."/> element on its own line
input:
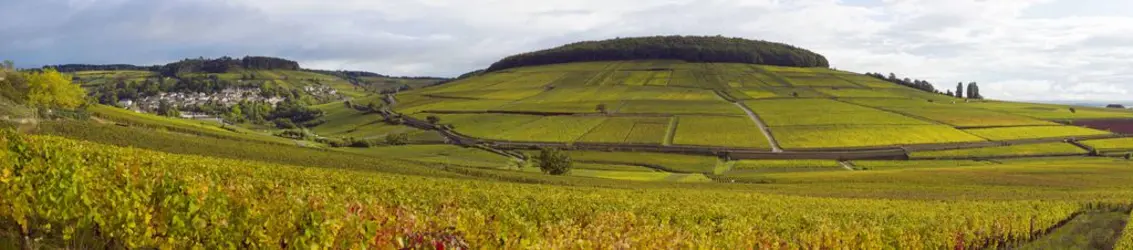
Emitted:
<point x="687" y="48"/>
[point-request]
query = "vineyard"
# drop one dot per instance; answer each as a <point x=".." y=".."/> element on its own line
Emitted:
<point x="654" y="153"/>
<point x="180" y="201"/>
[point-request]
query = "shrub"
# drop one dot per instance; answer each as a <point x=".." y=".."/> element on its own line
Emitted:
<point x="284" y="123"/>
<point x="397" y="139"/>
<point x="554" y="161"/>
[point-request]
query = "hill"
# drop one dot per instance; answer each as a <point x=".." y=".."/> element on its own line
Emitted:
<point x="663" y="154"/>
<point x="729" y="107"/>
<point x="685" y="48"/>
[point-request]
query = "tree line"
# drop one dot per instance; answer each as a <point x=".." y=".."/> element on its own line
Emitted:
<point x="687" y="48"/>
<point x="973" y="90"/>
<point x="226" y="64"/>
<point x="198" y="65"/>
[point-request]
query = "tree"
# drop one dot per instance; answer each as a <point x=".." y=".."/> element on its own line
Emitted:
<point x="554" y="161"/>
<point x="1072" y="110"/>
<point x="960" y="90"/>
<point x="974" y="91"/>
<point x="433" y="119"/>
<point x="51" y="89"/>
<point x="949" y="93"/>
<point x="601" y="108"/>
<point x="165" y="108"/>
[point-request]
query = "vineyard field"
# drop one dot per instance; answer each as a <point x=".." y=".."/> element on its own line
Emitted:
<point x="1011" y="133"/>
<point x="1040" y="149"/>
<point x="360" y="208"/>
<point x="718" y="131"/>
<point x="867" y="135"/>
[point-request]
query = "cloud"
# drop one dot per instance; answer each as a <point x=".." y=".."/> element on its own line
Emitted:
<point x="1015" y="49"/>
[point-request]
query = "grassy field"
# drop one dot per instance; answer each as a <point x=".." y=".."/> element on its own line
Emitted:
<point x="679" y="107"/>
<point x="867" y="135"/>
<point x="1110" y="145"/>
<point x="1050" y="111"/>
<point x="622" y="175"/>
<point x="552" y="129"/>
<point x="718" y="131"/>
<point x="864" y="93"/>
<point x="504" y="94"/>
<point x="1011" y="133"/>
<point x="817" y="80"/>
<point x="771" y="166"/>
<point x="1040" y="149"/>
<point x="443" y="154"/>
<point x="613" y="167"/>
<point x="952" y="114"/>
<point x="672" y="162"/>
<point x="648" y="130"/>
<point x="486" y="125"/>
<point x="202" y="128"/>
<point x="915" y="164"/>
<point x="791" y="112"/>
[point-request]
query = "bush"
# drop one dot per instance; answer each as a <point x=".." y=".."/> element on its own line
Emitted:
<point x="397" y="139"/>
<point x="333" y="142"/>
<point x="284" y="123"/>
<point x="293" y="134"/>
<point x="554" y="161"/>
<point x="313" y="123"/>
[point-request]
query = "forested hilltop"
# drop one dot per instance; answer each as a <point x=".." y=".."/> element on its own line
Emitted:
<point x="687" y="48"/>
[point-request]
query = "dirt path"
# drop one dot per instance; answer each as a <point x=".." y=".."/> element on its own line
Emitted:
<point x="762" y="127"/>
<point x="847" y="165"/>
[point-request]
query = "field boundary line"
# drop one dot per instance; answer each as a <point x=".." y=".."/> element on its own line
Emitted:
<point x="1088" y="148"/>
<point x="762" y="127"/>
<point x="847" y="80"/>
<point x="671" y="132"/>
<point x="899" y="113"/>
<point x="628" y="133"/>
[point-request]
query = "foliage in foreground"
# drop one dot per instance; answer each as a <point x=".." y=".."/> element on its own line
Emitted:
<point x="64" y="191"/>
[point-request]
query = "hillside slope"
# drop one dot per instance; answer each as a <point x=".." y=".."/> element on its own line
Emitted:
<point x="676" y="103"/>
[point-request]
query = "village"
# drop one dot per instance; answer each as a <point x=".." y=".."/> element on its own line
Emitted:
<point x="227" y="98"/>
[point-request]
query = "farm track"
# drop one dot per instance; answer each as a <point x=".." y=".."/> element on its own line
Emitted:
<point x="762" y="127"/>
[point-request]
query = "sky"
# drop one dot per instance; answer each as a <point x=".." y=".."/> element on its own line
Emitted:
<point x="1037" y="50"/>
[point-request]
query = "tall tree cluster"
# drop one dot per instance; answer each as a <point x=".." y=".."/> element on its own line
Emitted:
<point x="687" y="48"/>
<point x="973" y="91"/>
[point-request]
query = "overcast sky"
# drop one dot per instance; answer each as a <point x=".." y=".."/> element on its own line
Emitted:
<point x="1015" y="49"/>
